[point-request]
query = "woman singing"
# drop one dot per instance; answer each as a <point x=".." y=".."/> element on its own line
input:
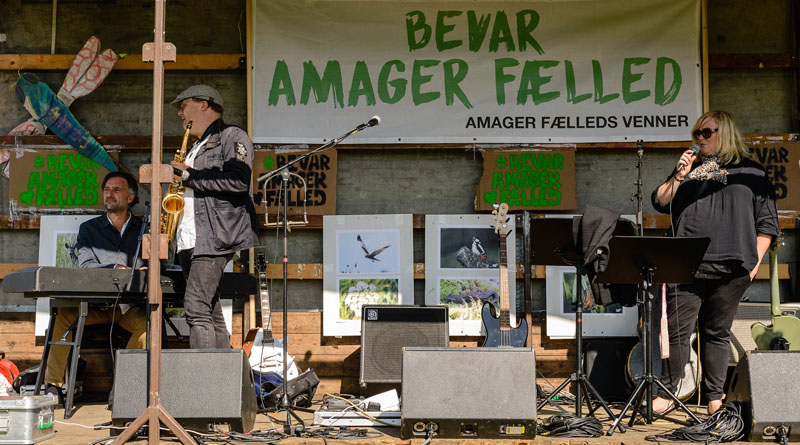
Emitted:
<point x="724" y="195"/>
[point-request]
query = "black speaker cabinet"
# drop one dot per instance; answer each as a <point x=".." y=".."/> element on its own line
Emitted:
<point x="766" y="384"/>
<point x="486" y="393"/>
<point x="605" y="364"/>
<point x="386" y="329"/>
<point x="201" y="389"/>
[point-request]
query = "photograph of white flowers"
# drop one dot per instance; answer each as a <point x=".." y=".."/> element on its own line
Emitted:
<point x="462" y="256"/>
<point x="355" y="293"/>
<point x="367" y="259"/>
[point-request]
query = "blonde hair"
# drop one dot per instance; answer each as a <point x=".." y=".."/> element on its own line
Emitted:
<point x="730" y="143"/>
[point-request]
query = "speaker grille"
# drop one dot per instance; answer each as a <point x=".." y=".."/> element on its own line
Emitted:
<point x="766" y="381"/>
<point x="198" y="387"/>
<point x="386" y="330"/>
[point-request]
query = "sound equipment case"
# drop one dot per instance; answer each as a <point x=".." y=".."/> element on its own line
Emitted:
<point x="26" y="419"/>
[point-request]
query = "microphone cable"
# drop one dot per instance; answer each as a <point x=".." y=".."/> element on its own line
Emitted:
<point x="725" y="425"/>
<point x="567" y="425"/>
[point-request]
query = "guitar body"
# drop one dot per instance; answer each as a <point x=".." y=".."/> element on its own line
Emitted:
<point x="783" y="326"/>
<point x="691" y="371"/>
<point x="496" y="337"/>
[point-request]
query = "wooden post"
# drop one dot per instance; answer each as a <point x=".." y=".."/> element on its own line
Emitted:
<point x="156" y="173"/>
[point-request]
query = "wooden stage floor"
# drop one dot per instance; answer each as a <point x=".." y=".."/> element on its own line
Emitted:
<point x="78" y="430"/>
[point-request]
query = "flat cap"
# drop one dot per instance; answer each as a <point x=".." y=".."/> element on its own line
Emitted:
<point x="202" y="92"/>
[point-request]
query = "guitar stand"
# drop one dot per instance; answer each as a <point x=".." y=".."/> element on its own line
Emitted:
<point x="639" y="258"/>
<point x="553" y="244"/>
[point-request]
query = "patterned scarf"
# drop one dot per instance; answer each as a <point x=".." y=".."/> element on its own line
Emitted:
<point x="710" y="170"/>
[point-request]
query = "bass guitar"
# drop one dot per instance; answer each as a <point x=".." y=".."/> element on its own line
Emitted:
<point x="499" y="332"/>
<point x="784" y="333"/>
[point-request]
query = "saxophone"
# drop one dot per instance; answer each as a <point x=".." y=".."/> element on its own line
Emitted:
<point x="172" y="205"/>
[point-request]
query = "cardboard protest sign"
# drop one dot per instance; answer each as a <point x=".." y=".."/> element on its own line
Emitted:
<point x="782" y="162"/>
<point x="540" y="179"/>
<point x="56" y="179"/>
<point x="318" y="171"/>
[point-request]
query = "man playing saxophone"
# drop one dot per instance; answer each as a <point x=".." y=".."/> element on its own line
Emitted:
<point x="219" y="218"/>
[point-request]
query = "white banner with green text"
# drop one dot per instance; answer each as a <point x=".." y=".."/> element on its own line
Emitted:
<point x="476" y="71"/>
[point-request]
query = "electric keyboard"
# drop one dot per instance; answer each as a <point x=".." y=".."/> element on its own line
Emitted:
<point x="69" y="282"/>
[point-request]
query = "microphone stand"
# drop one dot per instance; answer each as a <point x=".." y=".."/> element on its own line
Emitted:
<point x="142" y="230"/>
<point x="283" y="171"/>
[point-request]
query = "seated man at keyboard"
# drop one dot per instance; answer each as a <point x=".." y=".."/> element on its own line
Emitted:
<point x="108" y="241"/>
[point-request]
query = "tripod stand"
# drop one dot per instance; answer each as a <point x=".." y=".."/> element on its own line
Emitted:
<point x="554" y="245"/>
<point x="644" y="261"/>
<point x="283" y="171"/>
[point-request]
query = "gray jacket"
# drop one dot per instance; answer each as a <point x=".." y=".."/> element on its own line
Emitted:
<point x="224" y="214"/>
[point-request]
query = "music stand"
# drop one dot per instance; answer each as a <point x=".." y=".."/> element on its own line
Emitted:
<point x="553" y="244"/>
<point x="645" y="260"/>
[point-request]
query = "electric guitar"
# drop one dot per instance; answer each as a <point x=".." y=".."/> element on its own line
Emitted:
<point x="266" y="319"/>
<point x="784" y="333"/>
<point x="499" y="332"/>
<point x="266" y="352"/>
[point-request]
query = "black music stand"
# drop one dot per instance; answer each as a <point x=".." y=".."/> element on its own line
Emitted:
<point x="645" y="260"/>
<point x="553" y="244"/>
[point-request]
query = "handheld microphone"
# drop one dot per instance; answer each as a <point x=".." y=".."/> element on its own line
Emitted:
<point x="695" y="149"/>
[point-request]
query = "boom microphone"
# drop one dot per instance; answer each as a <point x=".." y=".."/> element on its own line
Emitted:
<point x="695" y="149"/>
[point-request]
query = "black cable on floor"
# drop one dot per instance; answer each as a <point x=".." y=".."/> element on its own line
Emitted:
<point x="567" y="425"/>
<point x="725" y="425"/>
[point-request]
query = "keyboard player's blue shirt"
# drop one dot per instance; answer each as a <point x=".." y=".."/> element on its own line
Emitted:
<point x="101" y="245"/>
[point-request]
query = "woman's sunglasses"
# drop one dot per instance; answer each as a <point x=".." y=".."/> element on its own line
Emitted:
<point x="706" y="132"/>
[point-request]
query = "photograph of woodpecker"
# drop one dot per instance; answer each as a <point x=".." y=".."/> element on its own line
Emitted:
<point x="468" y="248"/>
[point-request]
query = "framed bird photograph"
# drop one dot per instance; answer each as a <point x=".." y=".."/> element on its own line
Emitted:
<point x="468" y="248"/>
<point x="462" y="259"/>
<point x="368" y="259"/>
<point x="57" y="237"/>
<point x="598" y="321"/>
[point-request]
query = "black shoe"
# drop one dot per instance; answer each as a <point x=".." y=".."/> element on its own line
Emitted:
<point x="53" y="389"/>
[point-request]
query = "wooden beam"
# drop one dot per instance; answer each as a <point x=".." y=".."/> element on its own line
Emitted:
<point x="314" y="271"/>
<point x="787" y="219"/>
<point x="7" y="268"/>
<point x="752" y="61"/>
<point x="114" y="142"/>
<point x="50" y="62"/>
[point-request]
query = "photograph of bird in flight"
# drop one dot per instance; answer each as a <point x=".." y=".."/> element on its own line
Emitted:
<point x="368" y="252"/>
<point x="371" y="255"/>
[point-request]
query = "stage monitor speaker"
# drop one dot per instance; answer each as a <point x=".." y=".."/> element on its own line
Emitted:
<point x="765" y="382"/>
<point x="386" y="329"/>
<point x="202" y="389"/>
<point x="485" y="393"/>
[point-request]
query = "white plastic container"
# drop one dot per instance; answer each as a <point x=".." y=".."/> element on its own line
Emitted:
<point x="27" y="419"/>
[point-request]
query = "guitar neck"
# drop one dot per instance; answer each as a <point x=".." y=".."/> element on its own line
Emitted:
<point x="505" y="318"/>
<point x="263" y="296"/>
